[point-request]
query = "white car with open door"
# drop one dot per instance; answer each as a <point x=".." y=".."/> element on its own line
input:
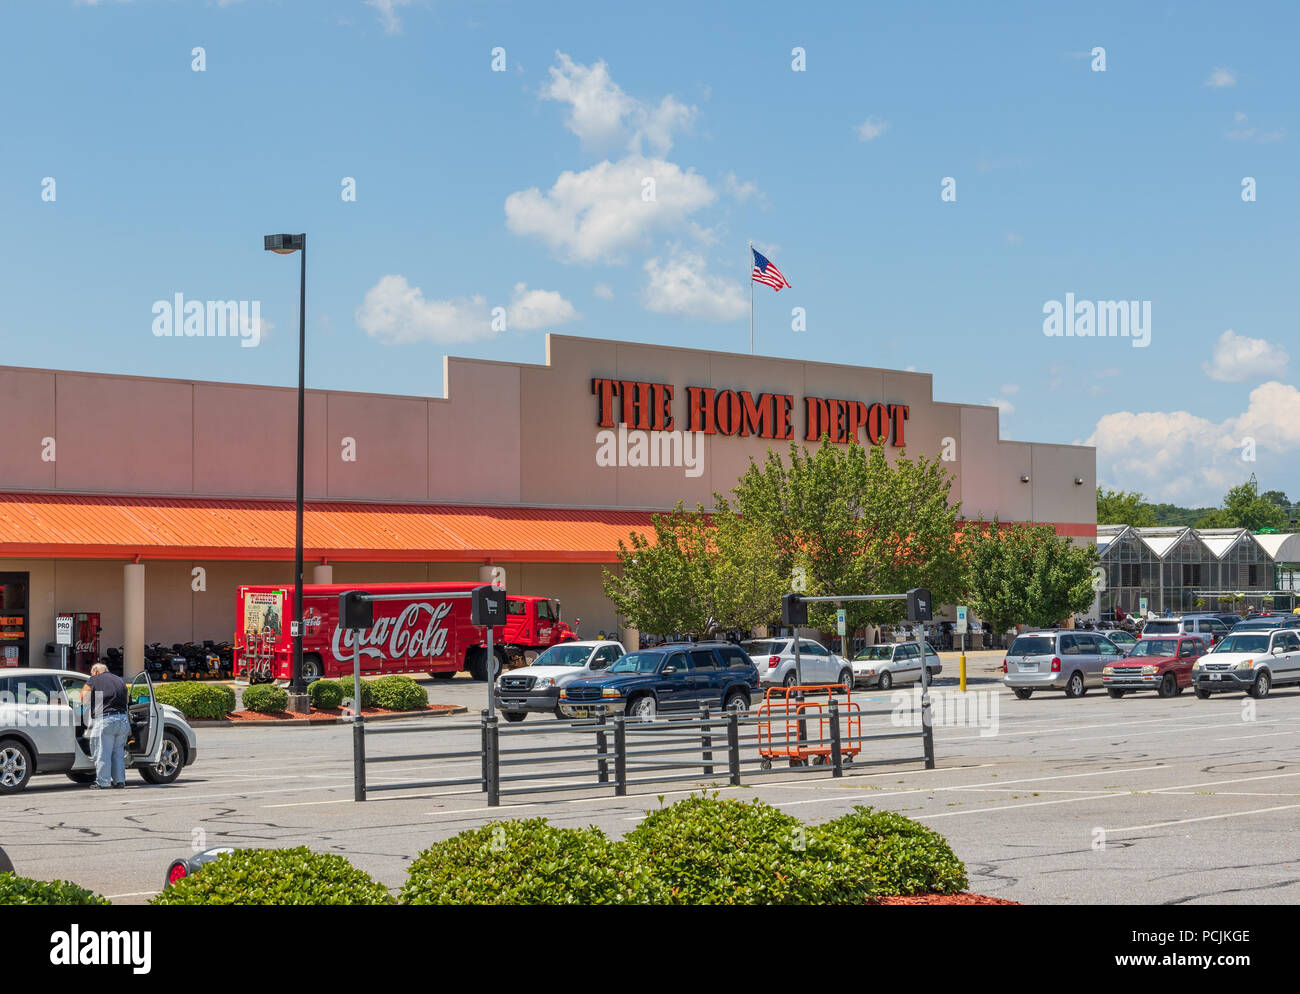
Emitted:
<point x="42" y="730"/>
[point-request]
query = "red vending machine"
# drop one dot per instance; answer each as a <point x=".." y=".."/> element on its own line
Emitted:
<point x="83" y="653"/>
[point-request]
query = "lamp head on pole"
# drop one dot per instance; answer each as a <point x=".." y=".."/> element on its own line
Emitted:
<point x="283" y="244"/>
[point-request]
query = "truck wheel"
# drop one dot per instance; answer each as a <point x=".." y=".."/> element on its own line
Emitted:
<point x="737" y="701"/>
<point x="643" y="707"/>
<point x="15" y="766"/>
<point x="474" y="662"/>
<point x="515" y="715"/>
<point x="1169" y="685"/>
<point x="502" y="662"/>
<point x="312" y="669"/>
<point x="1115" y="692"/>
<point x="445" y="675"/>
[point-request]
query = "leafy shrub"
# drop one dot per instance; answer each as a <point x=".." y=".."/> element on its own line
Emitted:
<point x="266" y="697"/>
<point x="23" y="890"/>
<point x="197" y="700"/>
<point x="531" y="862"/>
<point x="367" y="691"/>
<point x="904" y="856"/>
<point x="735" y="852"/>
<point x="325" y="694"/>
<point x="399" y="693"/>
<point x="276" y="877"/>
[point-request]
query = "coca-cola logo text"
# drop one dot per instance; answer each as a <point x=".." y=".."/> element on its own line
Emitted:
<point x="408" y="636"/>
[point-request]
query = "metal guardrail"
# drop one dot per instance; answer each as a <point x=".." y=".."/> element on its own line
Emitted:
<point x="621" y="752"/>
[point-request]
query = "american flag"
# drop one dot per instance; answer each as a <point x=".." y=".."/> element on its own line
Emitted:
<point x="765" y="272"/>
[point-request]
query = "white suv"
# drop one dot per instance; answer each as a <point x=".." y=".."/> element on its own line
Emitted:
<point x="775" y="661"/>
<point x="1253" y="662"/>
<point x="42" y="730"/>
<point x="537" y="687"/>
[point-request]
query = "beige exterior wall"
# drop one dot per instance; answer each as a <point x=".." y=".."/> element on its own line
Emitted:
<point x="505" y="433"/>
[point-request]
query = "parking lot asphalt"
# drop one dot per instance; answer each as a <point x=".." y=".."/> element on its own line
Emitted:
<point x="1136" y="801"/>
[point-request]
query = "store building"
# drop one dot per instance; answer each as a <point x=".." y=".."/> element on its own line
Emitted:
<point x="1178" y="569"/>
<point x="148" y="500"/>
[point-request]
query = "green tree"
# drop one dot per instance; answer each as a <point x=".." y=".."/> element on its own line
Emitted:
<point x="1025" y="574"/>
<point x="1244" y="508"/>
<point x="701" y="572"/>
<point x="1120" y="507"/>
<point x="845" y="520"/>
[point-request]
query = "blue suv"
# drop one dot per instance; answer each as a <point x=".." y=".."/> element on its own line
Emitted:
<point x="666" y="678"/>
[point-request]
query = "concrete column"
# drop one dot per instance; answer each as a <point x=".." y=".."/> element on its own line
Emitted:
<point x="486" y="574"/>
<point x="132" y="620"/>
<point x="322" y="574"/>
<point x="631" y="639"/>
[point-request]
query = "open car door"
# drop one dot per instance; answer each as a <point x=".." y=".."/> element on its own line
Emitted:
<point x="146" y="720"/>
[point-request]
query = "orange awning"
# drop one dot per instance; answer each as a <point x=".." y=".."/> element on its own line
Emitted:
<point x="62" y="526"/>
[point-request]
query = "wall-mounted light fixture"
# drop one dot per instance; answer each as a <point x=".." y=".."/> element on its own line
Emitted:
<point x="1078" y="481"/>
<point x="1024" y="478"/>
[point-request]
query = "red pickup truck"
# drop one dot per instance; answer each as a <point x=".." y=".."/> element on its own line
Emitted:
<point x="420" y="632"/>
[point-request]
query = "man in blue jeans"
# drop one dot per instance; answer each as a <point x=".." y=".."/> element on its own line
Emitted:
<point x="105" y="701"/>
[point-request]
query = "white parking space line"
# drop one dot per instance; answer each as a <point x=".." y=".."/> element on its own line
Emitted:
<point x="1265" y="735"/>
<point x="1188" y="821"/>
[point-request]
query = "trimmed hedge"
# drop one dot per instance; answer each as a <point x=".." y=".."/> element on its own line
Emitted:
<point x="746" y="852"/>
<point x="905" y="857"/>
<point x="24" y="890"/>
<point x="267" y="698"/>
<point x="325" y="694"/>
<point x="530" y="862"/>
<point x="399" y="693"/>
<point x="276" y="877"/>
<point x="367" y="691"/>
<point x="197" y="700"/>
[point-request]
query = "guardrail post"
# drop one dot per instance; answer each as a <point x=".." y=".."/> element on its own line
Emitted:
<point x="837" y="759"/>
<point x="483" y="745"/>
<point x="602" y="747"/>
<point x="706" y="740"/>
<point x="620" y="756"/>
<point x="358" y="758"/>
<point x="493" y="757"/>
<point x="733" y="746"/>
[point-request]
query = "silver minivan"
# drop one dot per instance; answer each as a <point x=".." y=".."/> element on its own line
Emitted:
<point x="1206" y="627"/>
<point x="1057" y="660"/>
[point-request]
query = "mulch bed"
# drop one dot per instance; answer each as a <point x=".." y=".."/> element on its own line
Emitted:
<point x="963" y="898"/>
<point x="330" y="714"/>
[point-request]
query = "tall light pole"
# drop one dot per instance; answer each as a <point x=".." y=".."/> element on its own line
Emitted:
<point x="286" y="245"/>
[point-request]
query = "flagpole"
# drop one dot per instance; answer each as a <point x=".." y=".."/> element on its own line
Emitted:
<point x="750" y="274"/>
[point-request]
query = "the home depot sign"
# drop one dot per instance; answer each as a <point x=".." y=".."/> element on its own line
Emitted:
<point x="642" y="406"/>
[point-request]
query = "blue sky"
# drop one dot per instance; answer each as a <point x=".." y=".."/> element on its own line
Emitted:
<point x="520" y="189"/>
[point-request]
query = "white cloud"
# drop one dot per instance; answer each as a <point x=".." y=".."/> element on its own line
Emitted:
<point x="532" y="309"/>
<point x="871" y="129"/>
<point x="738" y="190"/>
<point x="600" y="113"/>
<point x="388" y="13"/>
<point x="1010" y="388"/>
<point x="596" y="214"/>
<point x="1180" y="457"/>
<point x="603" y="290"/>
<point x="1221" y="77"/>
<point x="1238" y="358"/>
<point x="1252" y="134"/>
<point x="682" y="286"/>
<point x="1004" y="406"/>
<point x="396" y="313"/>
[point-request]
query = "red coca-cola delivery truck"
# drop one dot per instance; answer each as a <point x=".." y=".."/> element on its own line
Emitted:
<point x="420" y="632"/>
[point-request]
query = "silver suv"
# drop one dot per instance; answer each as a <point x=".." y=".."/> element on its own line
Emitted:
<point x="1206" y="627"/>
<point x="1057" y="660"/>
